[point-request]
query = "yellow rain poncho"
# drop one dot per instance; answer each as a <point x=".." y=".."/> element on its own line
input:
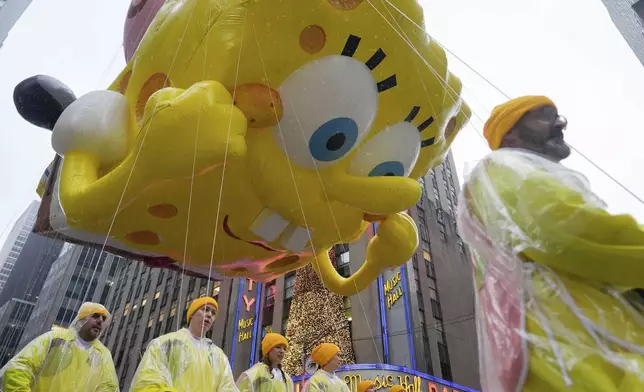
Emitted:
<point x="178" y="362"/>
<point x="323" y="381"/>
<point x="259" y="378"/>
<point x="549" y="312"/>
<point x="58" y="361"/>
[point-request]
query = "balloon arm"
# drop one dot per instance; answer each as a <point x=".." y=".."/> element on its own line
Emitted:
<point x="80" y="184"/>
<point x="333" y="281"/>
<point x="394" y="244"/>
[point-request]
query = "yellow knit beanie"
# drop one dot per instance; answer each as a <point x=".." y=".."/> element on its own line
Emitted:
<point x="200" y="302"/>
<point x="397" y="388"/>
<point x="363" y="386"/>
<point x="272" y="340"/>
<point x="506" y="115"/>
<point x="89" y="308"/>
<point x="323" y="353"/>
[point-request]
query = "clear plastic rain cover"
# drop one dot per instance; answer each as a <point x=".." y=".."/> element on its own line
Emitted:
<point x="554" y="275"/>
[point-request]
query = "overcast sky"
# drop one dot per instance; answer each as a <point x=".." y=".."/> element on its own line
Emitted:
<point x="567" y="49"/>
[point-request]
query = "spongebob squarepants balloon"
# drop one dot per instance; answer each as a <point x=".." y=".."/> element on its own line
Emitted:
<point x="247" y="137"/>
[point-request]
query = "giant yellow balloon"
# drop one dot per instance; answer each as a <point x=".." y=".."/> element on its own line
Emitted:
<point x="247" y="137"/>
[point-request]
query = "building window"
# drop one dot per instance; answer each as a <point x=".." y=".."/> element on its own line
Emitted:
<point x="342" y="261"/>
<point x="116" y="261"/>
<point x="147" y="283"/>
<point x="175" y="293"/>
<point x="106" y="291"/>
<point x="443" y="356"/>
<point x="422" y="225"/>
<point x="287" y="307"/>
<point x="215" y="289"/>
<point x="426" y="348"/>
<point x="347" y="308"/>
<point x="638" y="7"/>
<point x="431" y="273"/>
<point x="270" y="294"/>
<point x="287" y="301"/>
<point x="168" y="326"/>
<point x="146" y="334"/>
<point x="157" y="330"/>
<point x="436" y="309"/>
<point x="443" y="234"/>
<point x="164" y="300"/>
<point x="284" y="325"/>
<point x="269" y="305"/>
<point x="289" y="283"/>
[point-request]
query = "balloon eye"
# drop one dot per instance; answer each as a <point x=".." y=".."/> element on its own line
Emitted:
<point x="333" y="139"/>
<point x="389" y="168"/>
<point x="391" y="152"/>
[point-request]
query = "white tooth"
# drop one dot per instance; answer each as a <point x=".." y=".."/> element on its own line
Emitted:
<point x="268" y="225"/>
<point x="295" y="238"/>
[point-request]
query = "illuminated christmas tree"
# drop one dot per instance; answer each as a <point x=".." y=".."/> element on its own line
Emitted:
<point x="316" y="316"/>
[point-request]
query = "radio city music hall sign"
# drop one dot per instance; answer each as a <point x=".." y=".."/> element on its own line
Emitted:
<point x="386" y="376"/>
<point x="245" y="325"/>
<point x="392" y="289"/>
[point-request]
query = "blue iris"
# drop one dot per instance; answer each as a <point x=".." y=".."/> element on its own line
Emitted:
<point x="388" y="168"/>
<point x="333" y="139"/>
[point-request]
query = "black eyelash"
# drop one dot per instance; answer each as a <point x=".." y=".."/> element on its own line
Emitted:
<point x="427" y="143"/>
<point x="388" y="83"/>
<point x="349" y="50"/>
<point x="425" y="124"/>
<point x="376" y="59"/>
<point x="351" y="45"/>
<point x="412" y="114"/>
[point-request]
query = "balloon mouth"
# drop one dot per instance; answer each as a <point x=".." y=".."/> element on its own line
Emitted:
<point x="373" y="217"/>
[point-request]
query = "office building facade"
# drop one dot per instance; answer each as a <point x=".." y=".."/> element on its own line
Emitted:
<point x="80" y="274"/>
<point x="628" y="16"/>
<point x="419" y="317"/>
<point x="15" y="242"/>
<point x="14" y="316"/>
<point x="10" y="12"/>
<point x="149" y="302"/>
<point x="31" y="268"/>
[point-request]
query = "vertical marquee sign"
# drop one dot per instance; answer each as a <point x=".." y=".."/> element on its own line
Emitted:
<point x="395" y="320"/>
<point x="245" y="337"/>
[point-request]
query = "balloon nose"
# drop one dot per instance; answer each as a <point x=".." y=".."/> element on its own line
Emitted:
<point x="261" y="105"/>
